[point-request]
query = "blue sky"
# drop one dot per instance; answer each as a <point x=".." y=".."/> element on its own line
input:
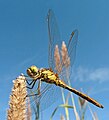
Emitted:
<point x="24" y="41"/>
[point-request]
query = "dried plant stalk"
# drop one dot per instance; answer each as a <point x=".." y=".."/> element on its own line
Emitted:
<point x="17" y="104"/>
<point x="28" y="112"/>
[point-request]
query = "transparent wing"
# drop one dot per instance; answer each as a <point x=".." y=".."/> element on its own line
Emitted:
<point x="71" y="47"/>
<point x="54" y="37"/>
<point x="47" y="96"/>
<point x="50" y="96"/>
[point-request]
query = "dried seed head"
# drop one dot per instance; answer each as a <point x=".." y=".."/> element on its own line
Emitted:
<point x="58" y="64"/>
<point x="61" y="59"/>
<point x="17" y="104"/>
<point x="64" y="54"/>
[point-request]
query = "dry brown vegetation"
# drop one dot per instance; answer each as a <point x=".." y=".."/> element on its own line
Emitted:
<point x="17" y="104"/>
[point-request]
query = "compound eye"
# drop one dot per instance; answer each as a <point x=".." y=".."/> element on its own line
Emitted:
<point x="32" y="71"/>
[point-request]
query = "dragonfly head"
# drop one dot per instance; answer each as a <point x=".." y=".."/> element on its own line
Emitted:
<point x="33" y="71"/>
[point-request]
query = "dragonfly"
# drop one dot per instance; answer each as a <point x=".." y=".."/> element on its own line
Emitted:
<point x="60" y="58"/>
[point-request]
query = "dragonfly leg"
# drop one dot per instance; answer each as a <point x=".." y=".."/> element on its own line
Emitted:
<point x="31" y="83"/>
<point x="39" y="86"/>
<point x="29" y="95"/>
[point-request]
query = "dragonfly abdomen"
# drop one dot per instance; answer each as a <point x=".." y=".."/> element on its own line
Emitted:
<point x="84" y="96"/>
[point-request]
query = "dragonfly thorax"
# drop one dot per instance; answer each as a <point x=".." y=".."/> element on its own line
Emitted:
<point x="33" y="71"/>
